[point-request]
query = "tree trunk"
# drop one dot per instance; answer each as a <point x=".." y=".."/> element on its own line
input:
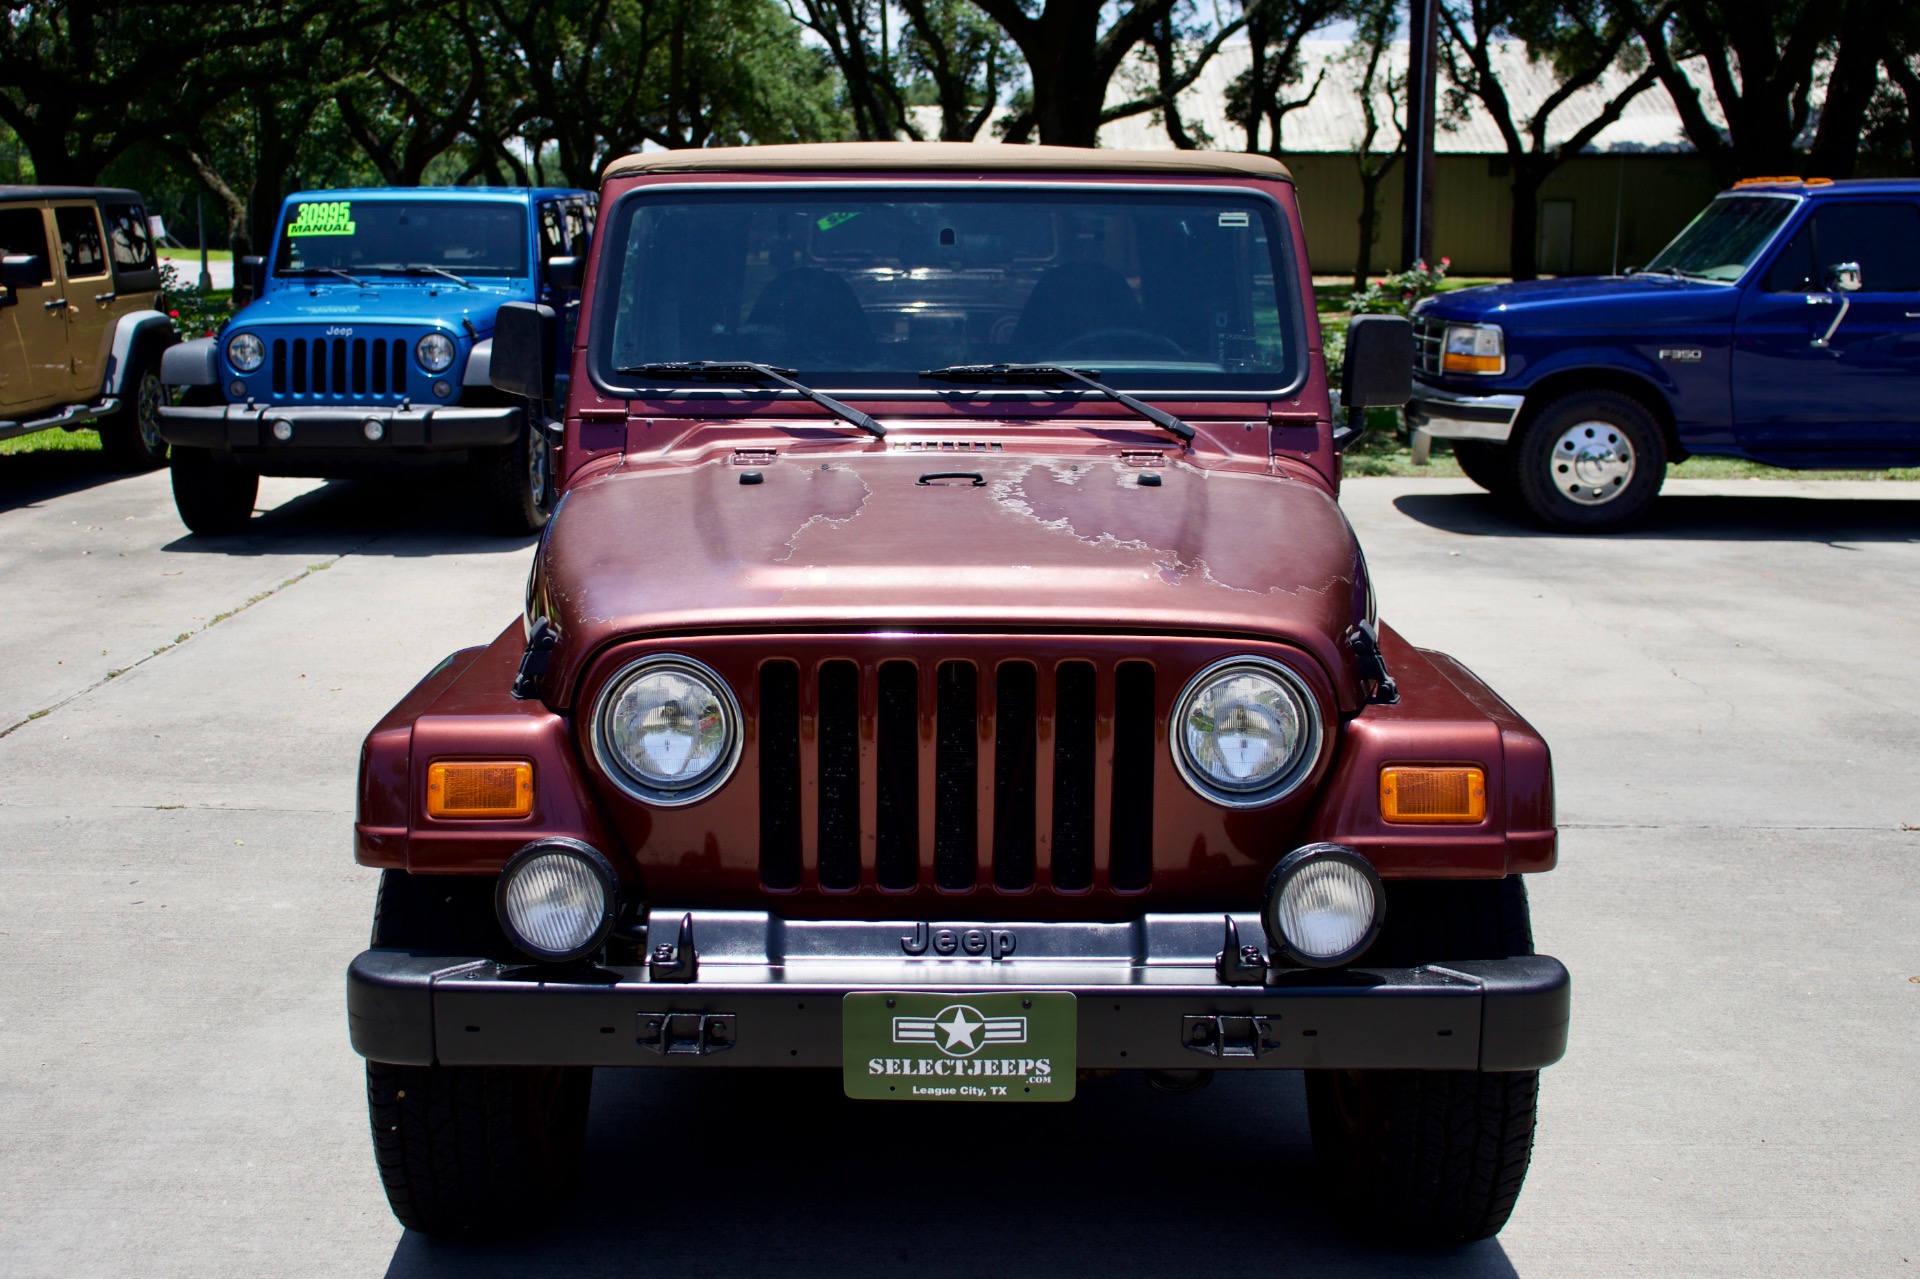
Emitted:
<point x="1850" y="87"/>
<point x="1370" y="184"/>
<point x="1523" y="242"/>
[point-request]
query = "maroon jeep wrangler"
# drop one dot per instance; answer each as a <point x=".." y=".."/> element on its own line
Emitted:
<point x="949" y="665"/>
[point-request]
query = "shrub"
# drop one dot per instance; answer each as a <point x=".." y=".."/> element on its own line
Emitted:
<point x="194" y="314"/>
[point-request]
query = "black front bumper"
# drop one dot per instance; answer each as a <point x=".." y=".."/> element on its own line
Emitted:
<point x="430" y="429"/>
<point x="415" y="1008"/>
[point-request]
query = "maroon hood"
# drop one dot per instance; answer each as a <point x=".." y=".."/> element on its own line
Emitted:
<point x="1073" y="544"/>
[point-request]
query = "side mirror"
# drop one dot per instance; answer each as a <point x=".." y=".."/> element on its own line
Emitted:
<point x="23" y="271"/>
<point x="1378" y="373"/>
<point x="1843" y="277"/>
<point x="250" y="280"/>
<point x="523" y="340"/>
<point x="565" y="273"/>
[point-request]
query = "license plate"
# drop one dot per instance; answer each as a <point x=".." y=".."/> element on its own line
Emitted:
<point x="1017" y="1046"/>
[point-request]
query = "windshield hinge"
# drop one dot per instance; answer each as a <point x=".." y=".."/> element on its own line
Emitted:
<point x="533" y="663"/>
<point x="754" y="456"/>
<point x="1365" y="643"/>
<point x="1143" y="457"/>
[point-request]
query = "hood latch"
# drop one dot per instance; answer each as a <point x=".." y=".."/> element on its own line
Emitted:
<point x="1364" y="640"/>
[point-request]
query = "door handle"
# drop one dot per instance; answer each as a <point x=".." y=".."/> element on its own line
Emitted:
<point x="53" y="304"/>
<point x="104" y="298"/>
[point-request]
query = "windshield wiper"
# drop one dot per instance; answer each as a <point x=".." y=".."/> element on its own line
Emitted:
<point x="748" y="371"/>
<point x="334" y="270"/>
<point x="422" y="268"/>
<point x="1054" y="373"/>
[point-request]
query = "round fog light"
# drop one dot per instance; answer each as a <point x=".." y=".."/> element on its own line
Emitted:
<point x="443" y="388"/>
<point x="1324" y="905"/>
<point x="238" y="390"/>
<point x="556" y="899"/>
<point x="282" y="429"/>
<point x="374" y="430"/>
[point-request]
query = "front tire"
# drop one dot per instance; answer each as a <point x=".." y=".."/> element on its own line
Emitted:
<point x="1590" y="462"/>
<point x="518" y="481"/>
<point x="214" y="498"/>
<point x="467" y="1151"/>
<point x="1433" y="1157"/>
<point x="131" y="437"/>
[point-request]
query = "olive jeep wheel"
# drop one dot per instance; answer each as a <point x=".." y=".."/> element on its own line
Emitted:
<point x="1590" y="462"/>
<point x="214" y="498"/>
<point x="131" y="437"/>
<point x="467" y="1150"/>
<point x="1434" y="1157"/>
<point x="517" y="481"/>
<point x="1487" y="464"/>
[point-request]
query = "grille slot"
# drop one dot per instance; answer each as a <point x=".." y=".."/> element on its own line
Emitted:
<point x="897" y="798"/>
<point x="1013" y="775"/>
<point x="839" y="768"/>
<point x="1133" y="743"/>
<point x="1427" y="335"/>
<point x="956" y="808"/>
<point x="279" y="366"/>
<point x="1015" y="753"/>
<point x="779" y="727"/>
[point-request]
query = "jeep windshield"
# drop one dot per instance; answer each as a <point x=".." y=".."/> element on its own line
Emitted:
<point x="863" y="289"/>
<point x="1722" y="242"/>
<point x="424" y="238"/>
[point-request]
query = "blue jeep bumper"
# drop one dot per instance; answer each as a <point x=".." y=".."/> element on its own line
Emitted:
<point x="411" y="430"/>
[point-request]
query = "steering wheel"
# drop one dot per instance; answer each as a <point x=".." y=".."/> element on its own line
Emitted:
<point x="1122" y="343"/>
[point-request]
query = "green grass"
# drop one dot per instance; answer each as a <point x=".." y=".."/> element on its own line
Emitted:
<point x="85" y="440"/>
<point x="193" y="255"/>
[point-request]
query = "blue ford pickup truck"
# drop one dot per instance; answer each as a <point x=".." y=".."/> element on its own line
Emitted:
<point x="1783" y="326"/>
<point x="366" y="347"/>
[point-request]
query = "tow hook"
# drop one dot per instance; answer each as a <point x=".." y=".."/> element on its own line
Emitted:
<point x="687" y="1034"/>
<point x="1240" y="965"/>
<point x="675" y="961"/>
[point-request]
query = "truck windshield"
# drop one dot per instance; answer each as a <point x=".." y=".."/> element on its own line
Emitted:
<point x="858" y="288"/>
<point x="1722" y="242"/>
<point x="366" y="237"/>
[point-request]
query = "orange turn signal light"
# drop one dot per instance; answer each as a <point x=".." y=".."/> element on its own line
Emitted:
<point x="1433" y="794"/>
<point x="1458" y="362"/>
<point x="480" y="788"/>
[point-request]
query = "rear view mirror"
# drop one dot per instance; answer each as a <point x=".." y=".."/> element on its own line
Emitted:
<point x="1843" y="277"/>
<point x="249" y="279"/>
<point x="565" y="273"/>
<point x="23" y="270"/>
<point x="1378" y="372"/>
<point x="523" y="342"/>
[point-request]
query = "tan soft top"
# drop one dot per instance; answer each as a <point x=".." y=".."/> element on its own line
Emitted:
<point x="947" y="157"/>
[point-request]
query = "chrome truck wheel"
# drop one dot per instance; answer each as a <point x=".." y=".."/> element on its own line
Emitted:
<point x="1590" y="462"/>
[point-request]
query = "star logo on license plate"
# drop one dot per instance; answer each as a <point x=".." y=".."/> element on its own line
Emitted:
<point x="959" y="1030"/>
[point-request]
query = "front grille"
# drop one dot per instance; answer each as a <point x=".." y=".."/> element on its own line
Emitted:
<point x="980" y="775"/>
<point x="341" y="368"/>
<point x="1427" y="338"/>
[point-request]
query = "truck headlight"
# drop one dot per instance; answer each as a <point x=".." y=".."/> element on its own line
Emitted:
<point x="246" y="352"/>
<point x="1474" y="348"/>
<point x="557" y="899"/>
<point x="667" y="730"/>
<point x="1245" y="732"/>
<point x="435" y="352"/>
<point x="1324" y="905"/>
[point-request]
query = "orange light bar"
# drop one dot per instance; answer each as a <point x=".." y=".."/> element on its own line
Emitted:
<point x="480" y="788"/>
<point x="1430" y="795"/>
<point x="1455" y="362"/>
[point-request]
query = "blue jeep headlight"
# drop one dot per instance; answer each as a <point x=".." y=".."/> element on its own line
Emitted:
<point x="435" y="352"/>
<point x="246" y="352"/>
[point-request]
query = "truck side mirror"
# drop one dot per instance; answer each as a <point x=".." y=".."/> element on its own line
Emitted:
<point x="1378" y="373"/>
<point x="249" y="279"/>
<point x="1843" y="277"/>
<point x="23" y="270"/>
<point x="523" y="340"/>
<point x="565" y="273"/>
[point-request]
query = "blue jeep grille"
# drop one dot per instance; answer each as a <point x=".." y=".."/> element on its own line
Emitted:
<point x="324" y="368"/>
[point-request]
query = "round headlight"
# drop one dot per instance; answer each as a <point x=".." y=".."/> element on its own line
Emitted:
<point x="556" y="899"/>
<point x="668" y="730"/>
<point x="435" y="352"/>
<point x="1324" y="905"/>
<point x="1245" y="732"/>
<point x="246" y="352"/>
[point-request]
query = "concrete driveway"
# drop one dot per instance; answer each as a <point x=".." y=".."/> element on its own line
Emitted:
<point x="1734" y="723"/>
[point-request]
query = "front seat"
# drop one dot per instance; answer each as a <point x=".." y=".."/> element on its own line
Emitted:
<point x="810" y="318"/>
<point x="1069" y="300"/>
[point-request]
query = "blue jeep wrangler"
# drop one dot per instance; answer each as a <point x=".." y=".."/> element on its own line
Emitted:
<point x="366" y="345"/>
<point x="1783" y="325"/>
